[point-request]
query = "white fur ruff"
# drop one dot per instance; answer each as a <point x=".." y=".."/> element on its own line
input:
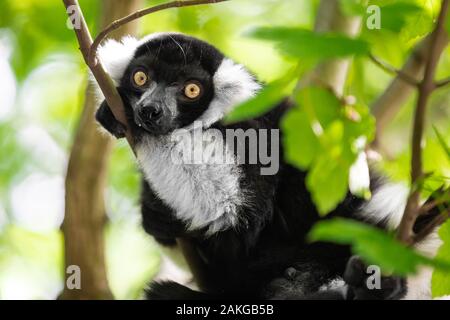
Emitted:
<point x="202" y="195"/>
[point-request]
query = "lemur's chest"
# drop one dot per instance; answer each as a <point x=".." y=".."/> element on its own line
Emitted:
<point x="204" y="193"/>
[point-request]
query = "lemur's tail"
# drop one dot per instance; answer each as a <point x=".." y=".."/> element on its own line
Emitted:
<point x="170" y="290"/>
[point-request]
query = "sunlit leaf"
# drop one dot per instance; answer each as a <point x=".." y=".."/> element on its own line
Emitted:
<point x="394" y="16"/>
<point x="442" y="142"/>
<point x="309" y="45"/>
<point x="440" y="282"/>
<point x="328" y="182"/>
<point x="325" y="137"/>
<point x="374" y="246"/>
<point x="264" y="101"/>
<point x="300" y="142"/>
<point x="353" y="7"/>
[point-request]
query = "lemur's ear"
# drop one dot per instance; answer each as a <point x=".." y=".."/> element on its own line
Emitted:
<point x="116" y="55"/>
<point x="235" y="80"/>
<point x="233" y="84"/>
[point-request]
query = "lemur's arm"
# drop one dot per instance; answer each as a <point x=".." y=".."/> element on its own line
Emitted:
<point x="106" y="118"/>
<point x="158" y="219"/>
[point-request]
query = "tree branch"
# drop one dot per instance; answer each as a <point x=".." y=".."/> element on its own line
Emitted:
<point x="92" y="60"/>
<point x="113" y="98"/>
<point x="442" y="83"/>
<point x="86" y="177"/>
<point x="390" y="69"/>
<point x="426" y="87"/>
<point x="103" y="79"/>
<point x="387" y="105"/>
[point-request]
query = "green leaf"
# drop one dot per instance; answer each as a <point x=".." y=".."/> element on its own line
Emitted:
<point x="447" y="26"/>
<point x="316" y="108"/>
<point x="263" y="102"/>
<point x="394" y="16"/>
<point x="374" y="246"/>
<point x="353" y="7"/>
<point x="325" y="137"/>
<point x="327" y="182"/>
<point x="442" y="142"/>
<point x="308" y="45"/>
<point x="440" y="282"/>
<point x="300" y="143"/>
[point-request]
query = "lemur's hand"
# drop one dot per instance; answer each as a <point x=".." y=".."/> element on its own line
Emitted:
<point x="360" y="287"/>
<point x="106" y="118"/>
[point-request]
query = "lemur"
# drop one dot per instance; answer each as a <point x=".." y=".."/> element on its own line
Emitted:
<point x="249" y="229"/>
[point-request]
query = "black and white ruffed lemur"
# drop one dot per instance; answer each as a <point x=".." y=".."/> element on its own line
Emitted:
<point x="249" y="229"/>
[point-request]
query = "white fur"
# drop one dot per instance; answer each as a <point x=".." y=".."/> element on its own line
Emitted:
<point x="202" y="195"/>
<point x="419" y="285"/>
<point x="359" y="178"/>
<point x="334" y="284"/>
<point x="115" y="56"/>
<point x="233" y="85"/>
<point x="387" y="204"/>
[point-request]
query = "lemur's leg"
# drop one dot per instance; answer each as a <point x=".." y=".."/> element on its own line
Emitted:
<point x="106" y="118"/>
<point x="359" y="288"/>
<point x="303" y="281"/>
<point x="312" y="280"/>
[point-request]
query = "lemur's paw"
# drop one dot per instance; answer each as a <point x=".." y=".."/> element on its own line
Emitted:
<point x="364" y="285"/>
<point x="106" y="118"/>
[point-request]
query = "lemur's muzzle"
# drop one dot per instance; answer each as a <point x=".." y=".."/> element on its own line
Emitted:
<point x="149" y="114"/>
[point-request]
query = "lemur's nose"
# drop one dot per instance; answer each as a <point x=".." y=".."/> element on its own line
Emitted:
<point x="149" y="113"/>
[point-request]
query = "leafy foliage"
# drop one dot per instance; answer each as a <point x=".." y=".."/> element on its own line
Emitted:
<point x="441" y="279"/>
<point x="442" y="142"/>
<point x="292" y="42"/>
<point x="265" y="100"/>
<point x="375" y="246"/>
<point x="322" y="135"/>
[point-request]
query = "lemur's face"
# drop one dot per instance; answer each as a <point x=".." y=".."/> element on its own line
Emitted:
<point x="169" y="83"/>
<point x="169" y="80"/>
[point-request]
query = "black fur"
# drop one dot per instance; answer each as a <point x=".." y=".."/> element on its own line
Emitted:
<point x="251" y="260"/>
<point x="266" y="256"/>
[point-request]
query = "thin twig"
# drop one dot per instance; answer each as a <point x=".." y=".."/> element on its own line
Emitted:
<point x="101" y="76"/>
<point x="405" y="230"/>
<point x="392" y="70"/>
<point x="442" y="83"/>
<point x="388" y="104"/>
<point x="92" y="60"/>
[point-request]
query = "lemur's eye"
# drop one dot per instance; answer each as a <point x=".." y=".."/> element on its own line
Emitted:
<point x="192" y="90"/>
<point x="140" y="78"/>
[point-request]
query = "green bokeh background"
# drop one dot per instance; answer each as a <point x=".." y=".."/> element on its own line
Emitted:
<point x="40" y="63"/>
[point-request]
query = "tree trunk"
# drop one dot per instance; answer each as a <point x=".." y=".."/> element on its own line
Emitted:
<point x="85" y="184"/>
